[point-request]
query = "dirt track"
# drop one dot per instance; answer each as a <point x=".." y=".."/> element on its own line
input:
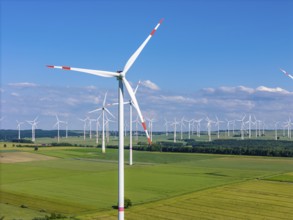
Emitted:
<point x="15" y="157"/>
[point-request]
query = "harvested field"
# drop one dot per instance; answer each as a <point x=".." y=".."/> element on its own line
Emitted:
<point x="16" y="157"/>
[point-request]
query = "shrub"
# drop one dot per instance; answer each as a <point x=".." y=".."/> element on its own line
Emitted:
<point x="127" y="203"/>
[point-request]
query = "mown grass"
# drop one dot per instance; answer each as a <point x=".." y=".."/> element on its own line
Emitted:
<point x="84" y="182"/>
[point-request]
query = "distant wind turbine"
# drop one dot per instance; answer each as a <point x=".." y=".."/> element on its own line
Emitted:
<point x="218" y="125"/>
<point x="34" y="125"/>
<point x="209" y="127"/>
<point x="58" y="127"/>
<point x="84" y="126"/>
<point x="103" y="109"/>
<point x="18" y="126"/>
<point x="174" y="124"/>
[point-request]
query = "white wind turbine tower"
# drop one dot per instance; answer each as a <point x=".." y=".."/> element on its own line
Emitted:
<point x="242" y="127"/>
<point x="136" y="128"/>
<point x="84" y="126"/>
<point x="276" y="130"/>
<point x="66" y="135"/>
<point x="97" y="129"/>
<point x="90" y="125"/>
<point x="181" y="127"/>
<point x="198" y="127"/>
<point x="166" y="126"/>
<point x="18" y="126"/>
<point x="120" y="76"/>
<point x="218" y="125"/>
<point x="174" y="124"/>
<point x="228" y="127"/>
<point x="256" y="122"/>
<point x="288" y="126"/>
<point x="249" y="122"/>
<point x="107" y="128"/>
<point x="34" y="125"/>
<point x="58" y="127"/>
<point x="209" y="127"/>
<point x="103" y="109"/>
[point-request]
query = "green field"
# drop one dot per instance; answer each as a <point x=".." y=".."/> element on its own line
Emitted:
<point x="82" y="182"/>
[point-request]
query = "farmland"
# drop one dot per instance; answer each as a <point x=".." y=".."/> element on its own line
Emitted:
<point x="82" y="182"/>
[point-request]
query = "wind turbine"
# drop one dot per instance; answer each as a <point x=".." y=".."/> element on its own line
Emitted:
<point x="34" y="125"/>
<point x="97" y="129"/>
<point x="181" y="127"/>
<point x="209" y="126"/>
<point x="288" y="126"/>
<point x="198" y="127"/>
<point x="249" y="122"/>
<point x="90" y="124"/>
<point x="276" y="130"/>
<point x="18" y="126"/>
<point x="84" y="125"/>
<point x="166" y="126"/>
<point x="174" y="124"/>
<point x="189" y="126"/>
<point x="136" y="128"/>
<point x="120" y="76"/>
<point x="103" y="109"/>
<point x="286" y="73"/>
<point x="58" y="127"/>
<point x="242" y="127"/>
<point x="218" y="125"/>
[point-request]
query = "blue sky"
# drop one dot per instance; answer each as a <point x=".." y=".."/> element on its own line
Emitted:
<point x="205" y="57"/>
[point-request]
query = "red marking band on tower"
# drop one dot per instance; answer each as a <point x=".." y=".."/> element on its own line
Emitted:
<point x="121" y="209"/>
<point x="66" y="67"/>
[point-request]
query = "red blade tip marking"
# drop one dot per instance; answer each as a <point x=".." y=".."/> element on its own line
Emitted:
<point x="161" y="21"/>
<point x="66" y="67"/>
<point x="150" y="142"/>
<point x="144" y="125"/>
<point x="49" y="66"/>
<point x="153" y="31"/>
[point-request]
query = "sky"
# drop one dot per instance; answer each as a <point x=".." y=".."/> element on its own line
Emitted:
<point x="208" y="58"/>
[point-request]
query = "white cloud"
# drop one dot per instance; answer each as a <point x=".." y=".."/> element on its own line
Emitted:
<point x="149" y="84"/>
<point x="14" y="94"/>
<point x="72" y="101"/>
<point x="272" y="90"/>
<point x="23" y="84"/>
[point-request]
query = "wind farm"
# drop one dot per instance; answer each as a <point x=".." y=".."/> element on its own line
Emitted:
<point x="186" y="117"/>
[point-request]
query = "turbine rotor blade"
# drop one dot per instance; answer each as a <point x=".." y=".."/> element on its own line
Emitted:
<point x="98" y="109"/>
<point x="93" y="72"/>
<point x="109" y="112"/>
<point x="138" y="51"/>
<point x="104" y="102"/>
<point x="135" y="104"/>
